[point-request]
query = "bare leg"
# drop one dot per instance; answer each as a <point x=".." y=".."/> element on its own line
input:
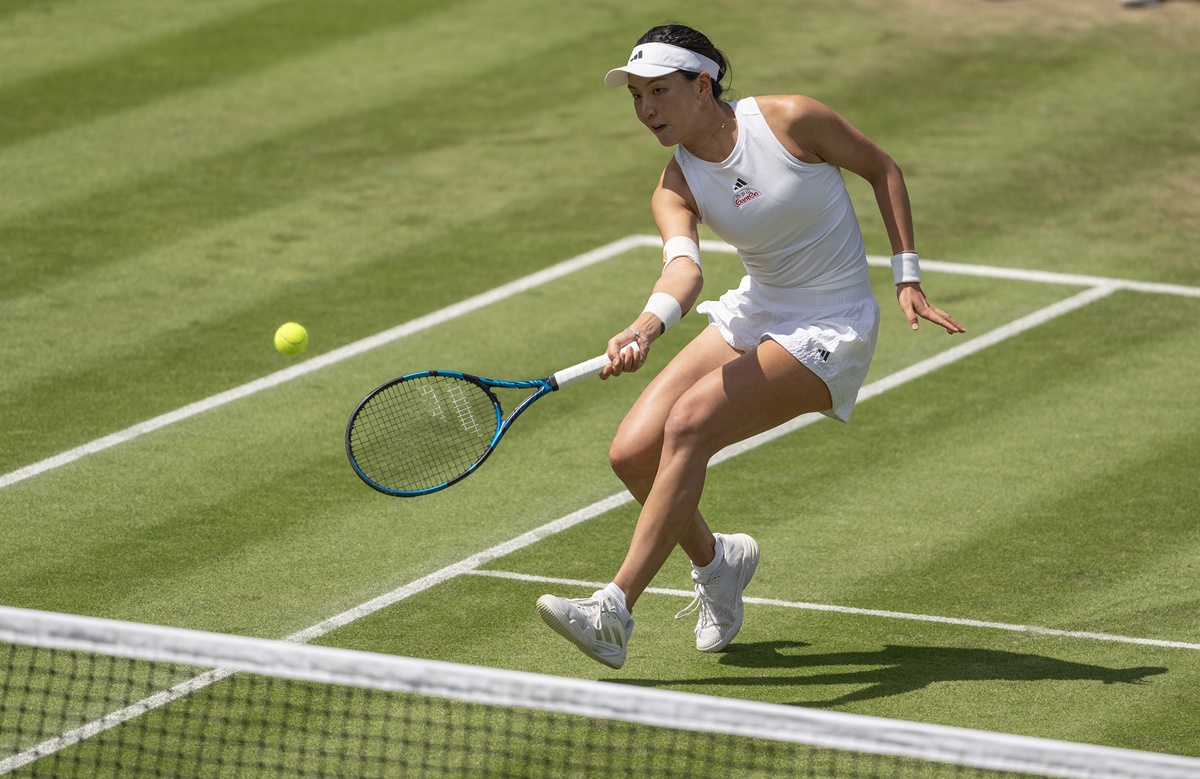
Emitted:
<point x="637" y="447"/>
<point x="733" y="398"/>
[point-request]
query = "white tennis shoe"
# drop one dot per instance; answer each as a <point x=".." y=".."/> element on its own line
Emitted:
<point x="719" y="597"/>
<point x="596" y="625"/>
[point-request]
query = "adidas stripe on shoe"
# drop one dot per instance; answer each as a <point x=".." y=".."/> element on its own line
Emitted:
<point x="593" y="624"/>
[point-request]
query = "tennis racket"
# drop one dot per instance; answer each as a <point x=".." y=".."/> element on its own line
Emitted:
<point x="425" y="431"/>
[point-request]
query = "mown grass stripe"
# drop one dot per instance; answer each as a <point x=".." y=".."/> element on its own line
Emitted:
<point x="217" y="51"/>
<point x="1074" y="121"/>
<point x="56" y="240"/>
<point x="14" y="7"/>
<point x="57" y="35"/>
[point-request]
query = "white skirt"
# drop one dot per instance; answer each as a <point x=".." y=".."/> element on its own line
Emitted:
<point x="831" y="332"/>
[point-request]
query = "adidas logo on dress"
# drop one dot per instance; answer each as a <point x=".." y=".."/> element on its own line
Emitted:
<point x="743" y="193"/>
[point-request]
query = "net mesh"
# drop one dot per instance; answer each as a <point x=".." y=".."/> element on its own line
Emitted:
<point x="87" y="697"/>
<point x="420" y="433"/>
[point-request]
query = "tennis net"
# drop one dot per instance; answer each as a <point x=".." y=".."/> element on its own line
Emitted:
<point x="82" y="696"/>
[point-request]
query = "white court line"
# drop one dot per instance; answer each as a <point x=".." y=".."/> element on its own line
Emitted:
<point x="1046" y="277"/>
<point x="995" y="272"/>
<point x="974" y="623"/>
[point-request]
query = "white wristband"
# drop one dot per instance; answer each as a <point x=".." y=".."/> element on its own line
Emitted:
<point x="681" y="246"/>
<point x="906" y="268"/>
<point x="666" y="308"/>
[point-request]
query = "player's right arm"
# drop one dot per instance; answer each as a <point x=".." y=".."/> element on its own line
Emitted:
<point x="676" y="215"/>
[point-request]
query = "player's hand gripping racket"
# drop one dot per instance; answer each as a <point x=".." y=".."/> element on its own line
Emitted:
<point x="424" y="431"/>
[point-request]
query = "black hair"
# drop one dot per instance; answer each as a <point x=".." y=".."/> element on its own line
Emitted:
<point x="693" y="40"/>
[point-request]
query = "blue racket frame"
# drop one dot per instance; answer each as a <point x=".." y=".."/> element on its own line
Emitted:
<point x="542" y="388"/>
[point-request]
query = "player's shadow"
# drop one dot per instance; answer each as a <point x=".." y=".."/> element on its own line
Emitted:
<point x="895" y="670"/>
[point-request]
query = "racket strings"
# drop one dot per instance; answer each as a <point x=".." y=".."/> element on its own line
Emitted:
<point x="423" y="433"/>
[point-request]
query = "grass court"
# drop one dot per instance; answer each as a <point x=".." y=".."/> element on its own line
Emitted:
<point x="1004" y="537"/>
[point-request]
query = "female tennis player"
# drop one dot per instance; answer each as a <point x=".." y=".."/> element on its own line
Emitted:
<point x="796" y="336"/>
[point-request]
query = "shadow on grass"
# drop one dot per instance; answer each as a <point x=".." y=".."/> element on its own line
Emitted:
<point x="895" y="670"/>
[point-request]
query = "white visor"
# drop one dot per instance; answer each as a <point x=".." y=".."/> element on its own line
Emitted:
<point x="651" y="60"/>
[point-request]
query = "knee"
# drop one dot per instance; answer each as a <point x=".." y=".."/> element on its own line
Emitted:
<point x="634" y="455"/>
<point x="688" y="427"/>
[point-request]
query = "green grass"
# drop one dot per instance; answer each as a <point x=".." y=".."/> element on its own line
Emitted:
<point x="181" y="178"/>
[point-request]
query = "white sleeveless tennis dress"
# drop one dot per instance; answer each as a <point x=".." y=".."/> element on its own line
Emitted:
<point x="795" y="229"/>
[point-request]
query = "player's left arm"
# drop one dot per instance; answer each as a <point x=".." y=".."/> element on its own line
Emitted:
<point x="821" y="131"/>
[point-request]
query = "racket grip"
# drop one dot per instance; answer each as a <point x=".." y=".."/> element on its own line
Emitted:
<point x="586" y="369"/>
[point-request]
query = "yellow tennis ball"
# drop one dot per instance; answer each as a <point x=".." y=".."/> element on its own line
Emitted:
<point x="291" y="339"/>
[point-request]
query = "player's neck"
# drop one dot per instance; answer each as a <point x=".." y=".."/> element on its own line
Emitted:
<point x="716" y="141"/>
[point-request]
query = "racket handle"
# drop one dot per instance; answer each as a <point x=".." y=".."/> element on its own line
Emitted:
<point x="586" y="369"/>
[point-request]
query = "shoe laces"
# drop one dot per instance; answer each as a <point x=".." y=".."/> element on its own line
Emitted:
<point x="703" y="604"/>
<point x="595" y="609"/>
